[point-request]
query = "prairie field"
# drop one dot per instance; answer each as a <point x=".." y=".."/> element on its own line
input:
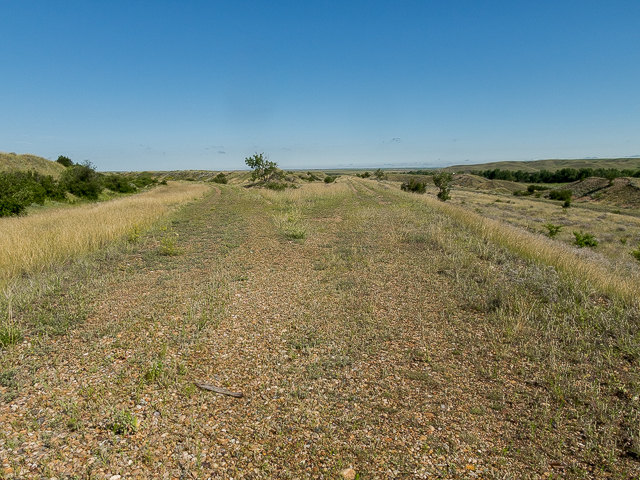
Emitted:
<point x="371" y="333"/>
<point x="53" y="236"/>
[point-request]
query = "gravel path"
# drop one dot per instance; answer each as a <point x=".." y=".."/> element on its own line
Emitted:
<point x="350" y="356"/>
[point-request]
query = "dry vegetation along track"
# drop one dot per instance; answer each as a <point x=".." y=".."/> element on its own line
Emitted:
<point x="389" y="340"/>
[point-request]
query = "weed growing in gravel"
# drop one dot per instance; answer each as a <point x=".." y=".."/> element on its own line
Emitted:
<point x="10" y="334"/>
<point x="134" y="234"/>
<point x="168" y="247"/>
<point x="123" y="422"/>
<point x="291" y="225"/>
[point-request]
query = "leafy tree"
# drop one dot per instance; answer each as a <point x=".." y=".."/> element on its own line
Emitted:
<point x="66" y="161"/>
<point x="379" y="174"/>
<point x="443" y="181"/>
<point x="261" y="166"/>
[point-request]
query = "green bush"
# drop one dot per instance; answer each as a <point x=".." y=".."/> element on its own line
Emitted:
<point x="220" y="178"/>
<point x="275" y="186"/>
<point x="168" y="247"/>
<point x="329" y="179"/>
<point x="118" y="183"/>
<point x="144" y="180"/>
<point x="552" y="230"/>
<point x="18" y="190"/>
<point x="82" y="180"/>
<point x="414" y="186"/>
<point x="363" y="175"/>
<point x="585" y="240"/>
<point x="311" y="177"/>
<point x="66" y="161"/>
<point x="636" y="253"/>
<point x="560" y="195"/>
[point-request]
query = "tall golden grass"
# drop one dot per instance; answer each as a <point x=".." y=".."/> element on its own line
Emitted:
<point x="537" y="247"/>
<point x="53" y="236"/>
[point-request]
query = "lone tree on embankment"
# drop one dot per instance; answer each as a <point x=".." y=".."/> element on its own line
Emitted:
<point x="261" y="166"/>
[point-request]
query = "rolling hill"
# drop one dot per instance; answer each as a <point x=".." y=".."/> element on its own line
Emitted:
<point x="551" y="165"/>
<point x="13" y="161"/>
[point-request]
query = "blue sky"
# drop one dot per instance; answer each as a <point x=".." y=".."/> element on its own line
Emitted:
<point x="134" y="85"/>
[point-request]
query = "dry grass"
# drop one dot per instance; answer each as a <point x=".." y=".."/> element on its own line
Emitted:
<point x="616" y="279"/>
<point x="394" y="340"/>
<point x="13" y="161"/>
<point x="34" y="242"/>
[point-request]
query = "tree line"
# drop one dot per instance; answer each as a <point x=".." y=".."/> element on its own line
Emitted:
<point x="563" y="175"/>
<point x="20" y="189"/>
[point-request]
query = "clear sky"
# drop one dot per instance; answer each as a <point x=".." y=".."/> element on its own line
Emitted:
<point x="155" y="85"/>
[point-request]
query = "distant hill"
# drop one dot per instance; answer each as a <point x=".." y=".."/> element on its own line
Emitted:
<point x="14" y="161"/>
<point x="552" y="165"/>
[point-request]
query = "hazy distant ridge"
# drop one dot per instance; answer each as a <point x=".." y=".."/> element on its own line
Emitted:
<point x="552" y="165"/>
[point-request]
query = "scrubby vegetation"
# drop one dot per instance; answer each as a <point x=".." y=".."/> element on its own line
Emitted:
<point x="414" y="186"/>
<point x="585" y="240"/>
<point x="220" y="178"/>
<point x="19" y="189"/>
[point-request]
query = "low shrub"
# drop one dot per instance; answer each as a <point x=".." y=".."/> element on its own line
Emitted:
<point x="82" y="181"/>
<point x="329" y="179"/>
<point x="585" y="240"/>
<point x="220" y="178"/>
<point x="560" y="195"/>
<point x="144" y="180"/>
<point x="169" y="248"/>
<point x="119" y="183"/>
<point x="275" y="186"/>
<point x="414" y="186"/>
<point x="311" y="177"/>
<point x="18" y="190"/>
<point x="636" y="253"/>
<point x="66" y="161"/>
<point x="552" y="230"/>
